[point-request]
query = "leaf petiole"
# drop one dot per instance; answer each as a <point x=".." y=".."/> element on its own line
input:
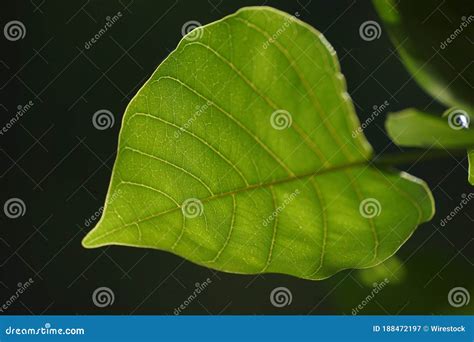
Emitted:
<point x="403" y="158"/>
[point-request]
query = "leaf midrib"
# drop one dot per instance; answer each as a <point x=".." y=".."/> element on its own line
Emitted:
<point x="244" y="189"/>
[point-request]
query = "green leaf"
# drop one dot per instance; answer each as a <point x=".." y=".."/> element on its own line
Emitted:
<point x="435" y="42"/>
<point x="391" y="271"/>
<point x="414" y="128"/>
<point x="238" y="155"/>
<point x="470" y="156"/>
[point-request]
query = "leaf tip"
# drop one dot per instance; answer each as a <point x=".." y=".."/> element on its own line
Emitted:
<point x="86" y="242"/>
<point x="390" y="126"/>
<point x="427" y="194"/>
<point x="89" y="240"/>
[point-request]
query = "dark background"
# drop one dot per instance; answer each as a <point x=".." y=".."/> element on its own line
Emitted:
<point x="59" y="165"/>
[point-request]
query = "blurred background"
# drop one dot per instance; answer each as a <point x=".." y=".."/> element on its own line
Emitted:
<point x="59" y="165"/>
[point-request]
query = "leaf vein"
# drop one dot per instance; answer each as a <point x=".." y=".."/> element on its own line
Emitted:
<point x="229" y="234"/>
<point x="189" y="173"/>
<point x="308" y="141"/>
<point x="234" y="119"/>
<point x="317" y="106"/>
<point x="199" y="139"/>
<point x="325" y="225"/>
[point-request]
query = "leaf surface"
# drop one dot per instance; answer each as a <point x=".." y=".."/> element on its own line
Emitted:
<point x="238" y="155"/>
<point x="414" y="128"/>
<point x="392" y="270"/>
<point x="470" y="157"/>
